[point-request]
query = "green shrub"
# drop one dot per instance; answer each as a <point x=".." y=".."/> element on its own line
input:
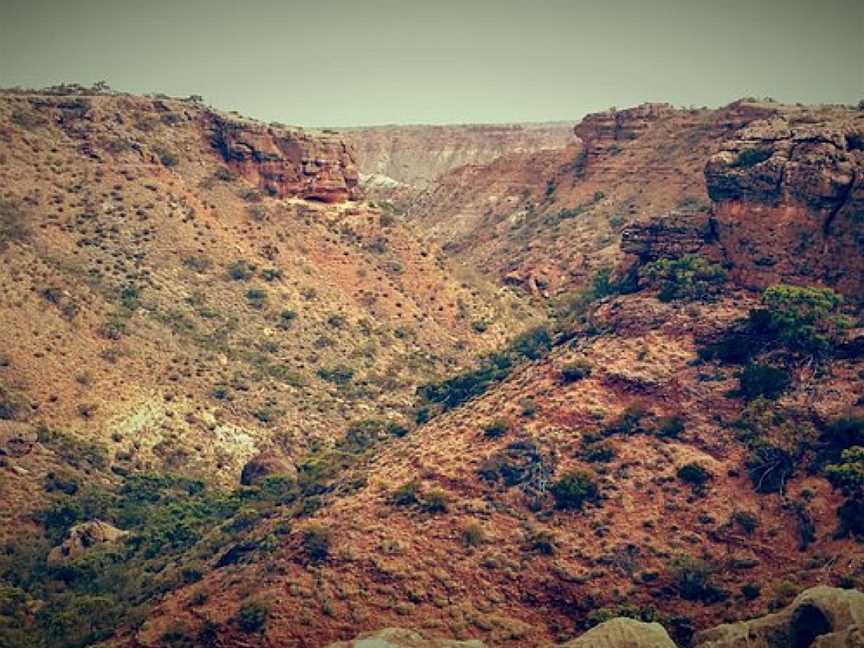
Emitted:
<point x="848" y="476"/>
<point x="339" y="375"/>
<point x="286" y="317"/>
<point x="764" y="381"/>
<point x="473" y="535"/>
<point x="496" y="429"/>
<point x="241" y="271"/>
<point x="577" y="370"/>
<point x="542" y="541"/>
<point x="406" y="494"/>
<point x="316" y="542"/>
<point x="807" y="320"/>
<point x="751" y="591"/>
<point x="252" y="616"/>
<point x="435" y="501"/>
<point x="692" y="581"/>
<point x="690" y="278"/>
<point x="532" y="344"/>
<point x="694" y="475"/>
<point x="769" y="468"/>
<point x="670" y="427"/>
<point x="29" y="119"/>
<point x="256" y="298"/>
<point x="747" y="521"/>
<point x="599" y="452"/>
<point x="574" y="489"/>
<point x="166" y="156"/>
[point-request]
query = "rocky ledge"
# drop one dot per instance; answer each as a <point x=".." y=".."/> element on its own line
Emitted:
<point x="285" y="162"/>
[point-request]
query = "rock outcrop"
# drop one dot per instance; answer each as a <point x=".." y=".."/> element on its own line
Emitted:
<point x="602" y="131"/>
<point x="615" y="633"/>
<point x="401" y="638"/>
<point x="82" y="537"/>
<point x="789" y="200"/>
<point x="286" y="162"/>
<point x="669" y="236"/>
<point x="821" y="616"/>
<point x="266" y="464"/>
<point x="623" y="633"/>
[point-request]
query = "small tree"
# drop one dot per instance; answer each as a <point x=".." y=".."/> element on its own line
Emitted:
<point x="690" y="278"/>
<point x="804" y="319"/>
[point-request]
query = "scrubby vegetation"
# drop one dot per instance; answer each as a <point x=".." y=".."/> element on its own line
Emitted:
<point x="453" y="392"/>
<point x="690" y="278"/>
<point x="802" y="321"/>
<point x="574" y="489"/>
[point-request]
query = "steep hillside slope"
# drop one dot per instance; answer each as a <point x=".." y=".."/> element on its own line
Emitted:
<point x="183" y="289"/>
<point x="240" y="406"/>
<point x="683" y="449"/>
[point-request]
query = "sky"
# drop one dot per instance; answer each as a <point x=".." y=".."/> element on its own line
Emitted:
<point x="364" y="62"/>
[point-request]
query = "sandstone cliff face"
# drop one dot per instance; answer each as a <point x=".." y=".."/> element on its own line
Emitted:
<point x="604" y="130"/>
<point x="285" y="162"/>
<point x="669" y="236"/>
<point x="788" y="198"/>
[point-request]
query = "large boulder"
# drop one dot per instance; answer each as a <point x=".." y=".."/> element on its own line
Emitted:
<point x="266" y="464"/>
<point x="83" y="537"/>
<point x="623" y="633"/>
<point x="821" y="616"/>
<point x="401" y="638"/>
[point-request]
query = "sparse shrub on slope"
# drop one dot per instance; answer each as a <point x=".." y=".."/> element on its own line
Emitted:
<point x="763" y="381"/>
<point x="574" y="489"/>
<point x="316" y="542"/>
<point x="13" y="223"/>
<point x="804" y="321"/>
<point x="692" y="580"/>
<point x="848" y="476"/>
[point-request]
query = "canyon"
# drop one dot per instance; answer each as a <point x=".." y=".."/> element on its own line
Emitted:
<point x="510" y="385"/>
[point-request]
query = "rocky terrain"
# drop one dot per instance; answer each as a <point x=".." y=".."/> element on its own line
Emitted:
<point x="610" y="394"/>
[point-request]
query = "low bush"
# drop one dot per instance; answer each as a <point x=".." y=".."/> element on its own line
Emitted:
<point x="406" y="494"/>
<point x="574" y="489"/>
<point x="496" y="429"/>
<point x="692" y="580"/>
<point x="577" y="370"/>
<point x="690" y="278"/>
<point x="252" y="616"/>
<point x="316" y="542"/>
<point x="13" y="223"/>
<point x="765" y="381"/>
<point x="694" y="475"/>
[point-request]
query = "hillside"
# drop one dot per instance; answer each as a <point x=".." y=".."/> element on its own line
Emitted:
<point x="241" y="405"/>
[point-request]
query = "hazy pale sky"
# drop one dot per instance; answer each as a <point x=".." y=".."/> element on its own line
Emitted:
<point x="352" y="62"/>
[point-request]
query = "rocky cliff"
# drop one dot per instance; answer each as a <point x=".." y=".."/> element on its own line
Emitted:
<point x="788" y="198"/>
<point x="285" y="162"/>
